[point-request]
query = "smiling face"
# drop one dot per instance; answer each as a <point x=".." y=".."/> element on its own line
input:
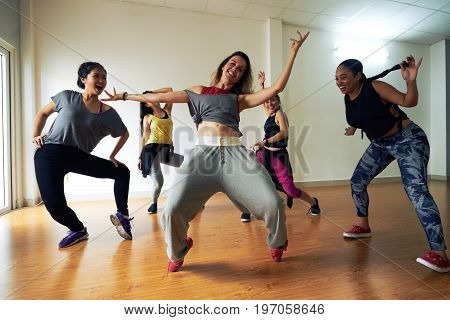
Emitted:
<point x="346" y="80"/>
<point x="233" y="70"/>
<point x="95" y="82"/>
<point x="272" y="105"/>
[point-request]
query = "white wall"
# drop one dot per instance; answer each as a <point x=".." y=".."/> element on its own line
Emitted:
<point x="438" y="141"/>
<point x="315" y="106"/>
<point x="447" y="95"/>
<point x="144" y="47"/>
<point x="9" y="22"/>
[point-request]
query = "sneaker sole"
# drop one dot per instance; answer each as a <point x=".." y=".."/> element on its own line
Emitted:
<point x="432" y="266"/>
<point x="314" y="214"/>
<point x="246" y="220"/>
<point x="356" y="236"/>
<point x="152" y="212"/>
<point x="116" y="222"/>
<point x="76" y="241"/>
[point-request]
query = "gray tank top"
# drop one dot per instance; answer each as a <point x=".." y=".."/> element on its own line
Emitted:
<point x="221" y="108"/>
<point x="77" y="127"/>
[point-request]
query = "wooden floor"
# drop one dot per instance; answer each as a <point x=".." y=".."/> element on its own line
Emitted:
<point x="229" y="259"/>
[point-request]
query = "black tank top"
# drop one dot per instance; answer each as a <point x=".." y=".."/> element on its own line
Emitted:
<point x="367" y="112"/>
<point x="270" y="129"/>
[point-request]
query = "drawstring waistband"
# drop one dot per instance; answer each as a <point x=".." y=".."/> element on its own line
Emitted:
<point x="217" y="141"/>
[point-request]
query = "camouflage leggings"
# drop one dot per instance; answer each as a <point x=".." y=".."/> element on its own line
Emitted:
<point x="411" y="150"/>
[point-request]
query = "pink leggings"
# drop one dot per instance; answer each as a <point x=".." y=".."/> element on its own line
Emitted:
<point x="282" y="174"/>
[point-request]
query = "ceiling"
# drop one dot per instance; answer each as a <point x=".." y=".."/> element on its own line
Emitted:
<point x="416" y="21"/>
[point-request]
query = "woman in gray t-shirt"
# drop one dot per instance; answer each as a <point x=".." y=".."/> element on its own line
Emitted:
<point x="82" y="121"/>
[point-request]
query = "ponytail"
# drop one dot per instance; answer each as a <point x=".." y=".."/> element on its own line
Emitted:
<point x="356" y="66"/>
<point x="386" y="72"/>
<point x="144" y="110"/>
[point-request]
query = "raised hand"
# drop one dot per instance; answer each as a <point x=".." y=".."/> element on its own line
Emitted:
<point x="297" y="43"/>
<point x="261" y="78"/>
<point x="114" y="96"/>
<point x="410" y="73"/>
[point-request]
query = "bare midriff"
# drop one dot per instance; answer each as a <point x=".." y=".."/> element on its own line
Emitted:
<point x="395" y="128"/>
<point x="215" y="129"/>
<point x="272" y="149"/>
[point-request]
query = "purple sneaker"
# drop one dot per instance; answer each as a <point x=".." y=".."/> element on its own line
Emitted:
<point x="73" y="237"/>
<point x="122" y="224"/>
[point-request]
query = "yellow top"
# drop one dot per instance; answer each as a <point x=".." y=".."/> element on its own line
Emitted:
<point x="160" y="129"/>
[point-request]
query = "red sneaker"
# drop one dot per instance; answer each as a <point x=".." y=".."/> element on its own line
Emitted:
<point x="278" y="252"/>
<point x="434" y="261"/>
<point x="175" y="266"/>
<point x="357" y="232"/>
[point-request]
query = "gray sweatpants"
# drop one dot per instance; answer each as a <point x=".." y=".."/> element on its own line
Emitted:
<point x="233" y="170"/>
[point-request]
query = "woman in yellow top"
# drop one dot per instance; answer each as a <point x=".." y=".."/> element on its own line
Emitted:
<point x="156" y="143"/>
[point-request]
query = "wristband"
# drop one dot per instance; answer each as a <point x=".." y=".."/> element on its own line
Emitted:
<point x="124" y="97"/>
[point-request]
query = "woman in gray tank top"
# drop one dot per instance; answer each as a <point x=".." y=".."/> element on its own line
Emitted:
<point x="82" y="121"/>
<point x="219" y="162"/>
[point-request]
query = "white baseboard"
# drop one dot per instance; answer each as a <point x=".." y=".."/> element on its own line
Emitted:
<point x="438" y="177"/>
<point x="346" y="182"/>
<point x="30" y="202"/>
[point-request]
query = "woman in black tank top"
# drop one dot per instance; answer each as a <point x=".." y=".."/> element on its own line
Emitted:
<point x="372" y="106"/>
<point x="273" y="154"/>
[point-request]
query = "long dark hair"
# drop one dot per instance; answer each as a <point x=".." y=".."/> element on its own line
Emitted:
<point x="86" y="68"/>
<point x="355" y="66"/>
<point x="245" y="83"/>
<point x="143" y="111"/>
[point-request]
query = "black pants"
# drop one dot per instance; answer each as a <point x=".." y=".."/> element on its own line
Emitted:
<point x="53" y="161"/>
<point x="154" y="152"/>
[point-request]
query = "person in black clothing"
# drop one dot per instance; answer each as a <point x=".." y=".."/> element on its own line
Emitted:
<point x="372" y="106"/>
<point x="273" y="154"/>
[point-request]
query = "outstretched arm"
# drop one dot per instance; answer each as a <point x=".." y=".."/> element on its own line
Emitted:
<point x="253" y="99"/>
<point x="168" y="106"/>
<point x="163" y="90"/>
<point x="167" y="97"/>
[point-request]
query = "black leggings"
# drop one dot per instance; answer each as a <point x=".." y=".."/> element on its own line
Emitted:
<point x="53" y="161"/>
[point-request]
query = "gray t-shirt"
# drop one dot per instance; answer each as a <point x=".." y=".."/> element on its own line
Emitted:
<point x="76" y="126"/>
<point x="221" y="108"/>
